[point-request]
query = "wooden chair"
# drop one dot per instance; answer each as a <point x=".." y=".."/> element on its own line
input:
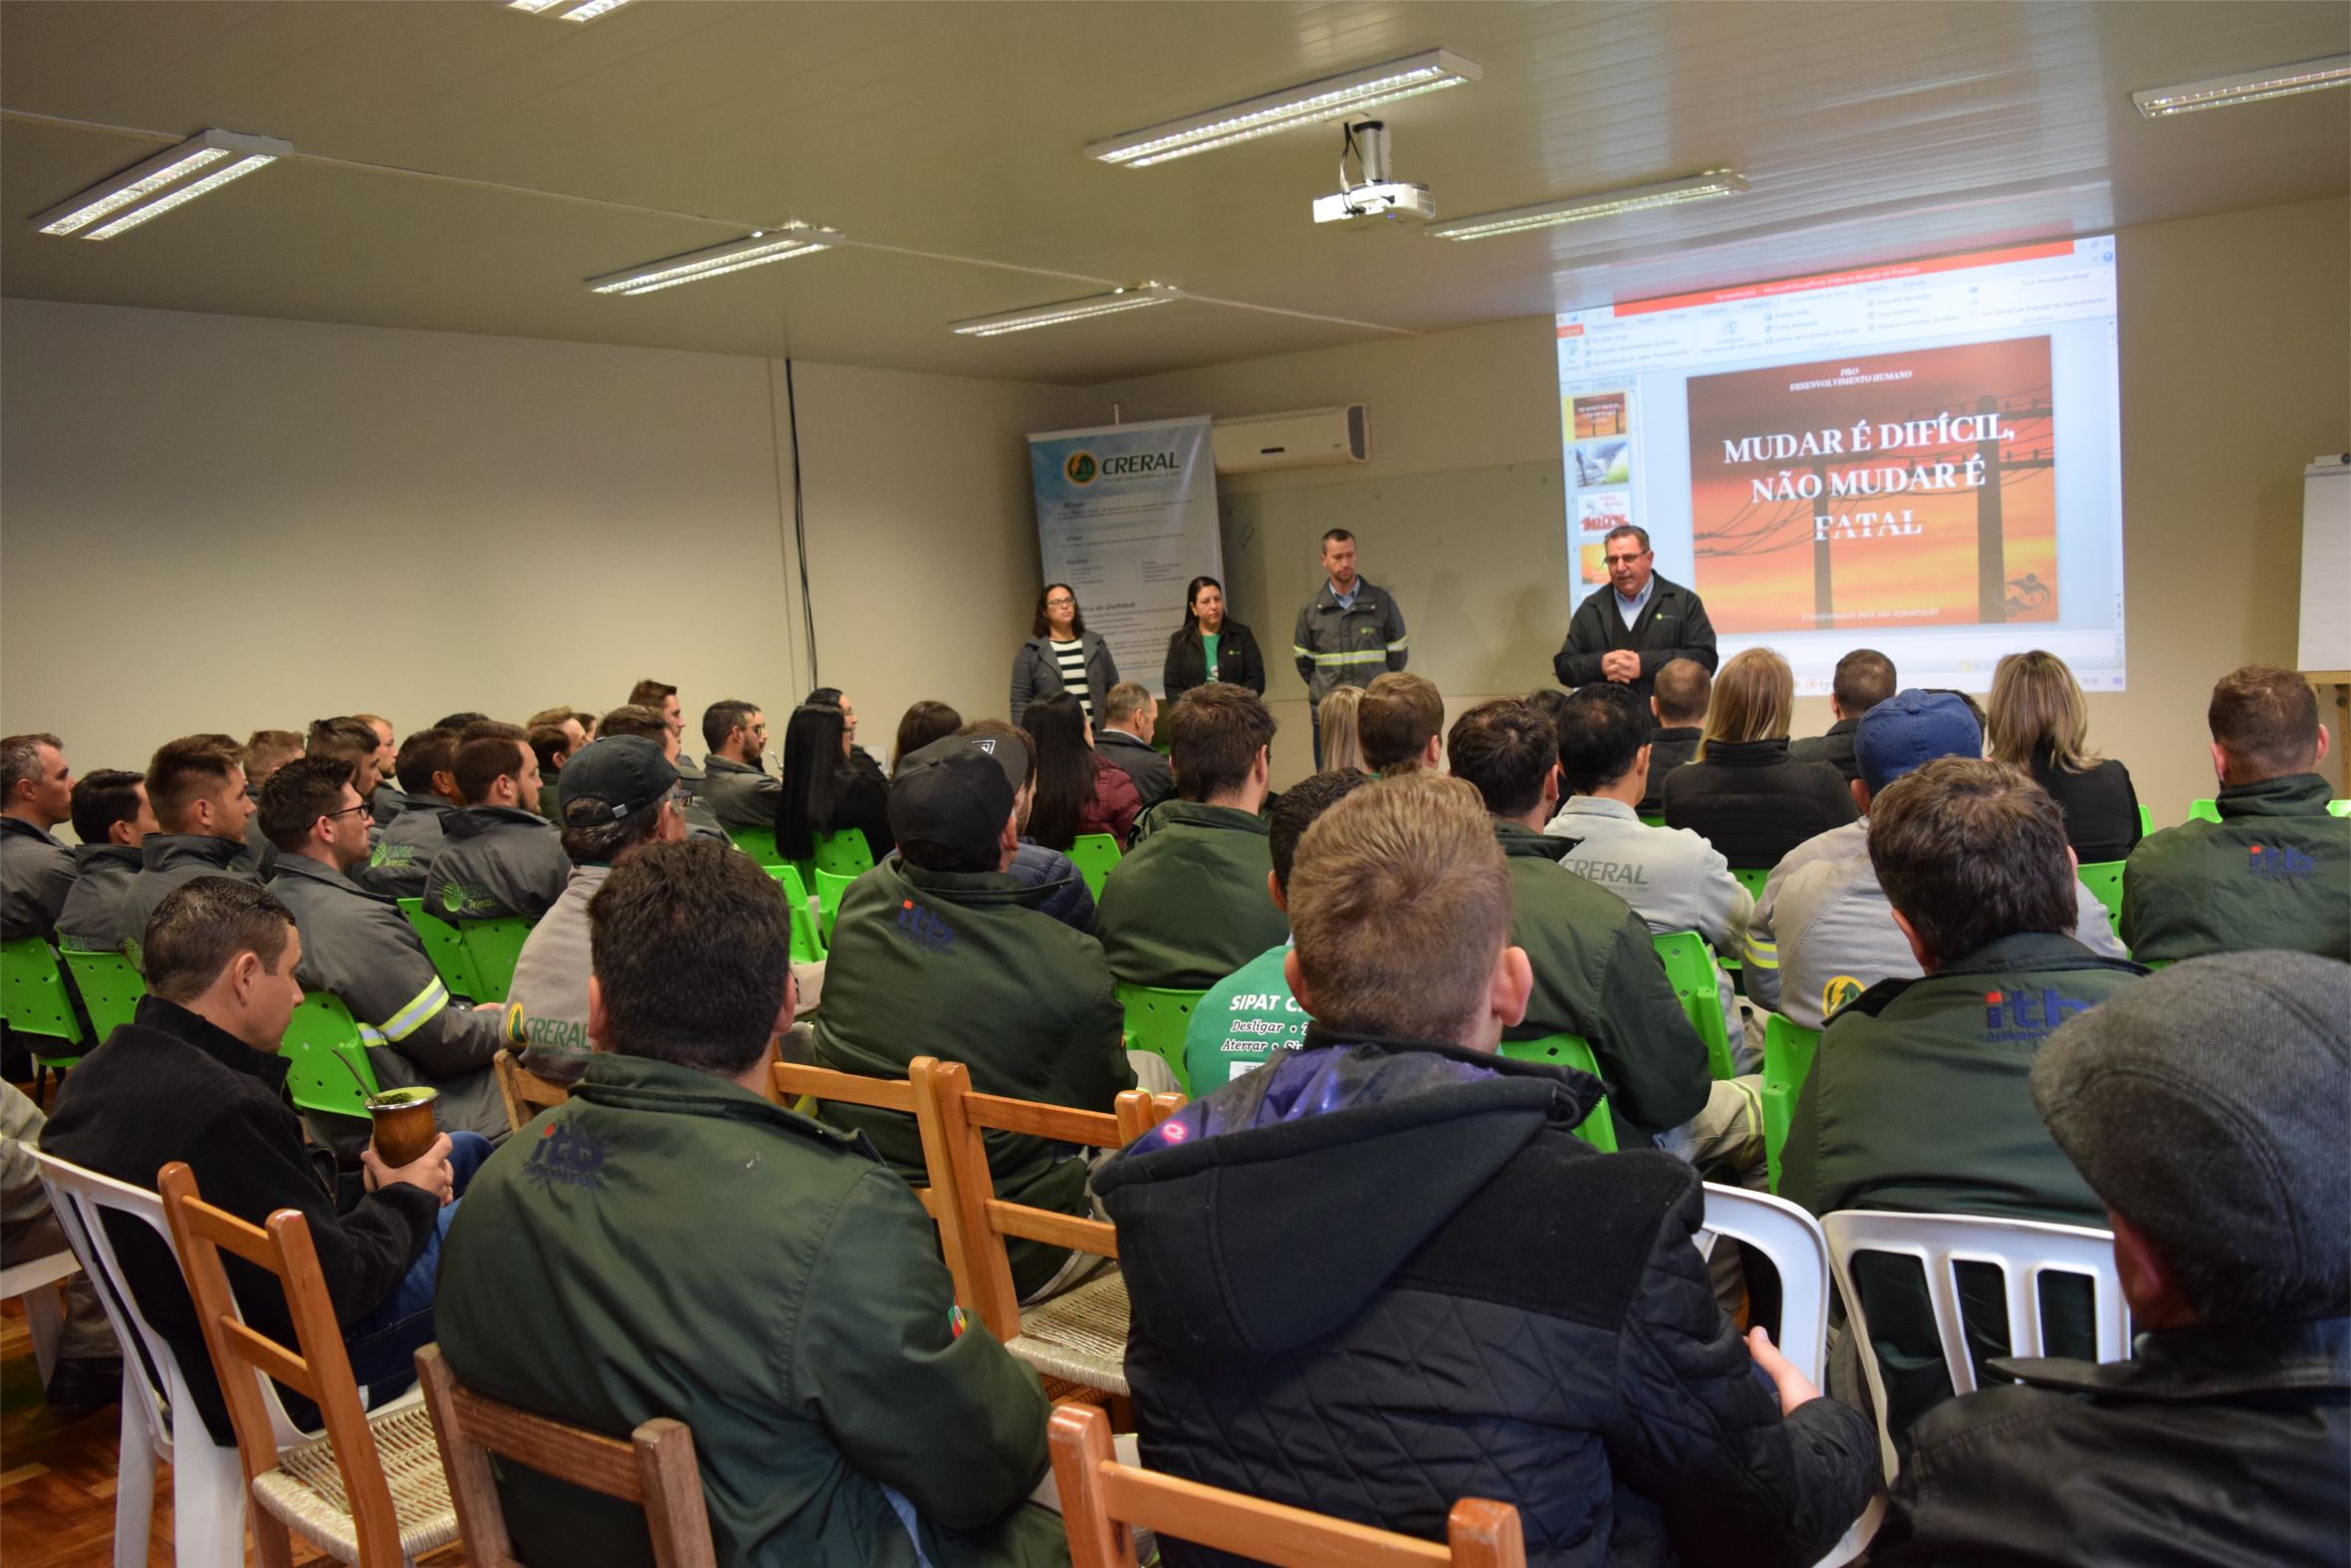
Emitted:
<point x="524" y="1092"/>
<point x="371" y="1491"/>
<point x="1105" y="1502"/>
<point x="798" y="1085"/>
<point x="654" y="1468"/>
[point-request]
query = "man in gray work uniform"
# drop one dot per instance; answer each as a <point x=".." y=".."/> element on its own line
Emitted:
<point x="1348" y="632"/>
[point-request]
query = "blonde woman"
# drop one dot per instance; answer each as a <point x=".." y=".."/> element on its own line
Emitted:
<point x="2039" y="723"/>
<point x="1342" y="742"/>
<point x="1744" y="794"/>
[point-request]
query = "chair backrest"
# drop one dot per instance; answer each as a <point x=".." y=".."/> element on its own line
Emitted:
<point x="1690" y="969"/>
<point x="524" y="1092"/>
<point x="2204" y="811"/>
<point x="1094" y="854"/>
<point x="1156" y="1019"/>
<point x="829" y="887"/>
<point x="808" y="945"/>
<point x="33" y="997"/>
<point x="806" y="1088"/>
<point x="653" y="1468"/>
<point x="494" y="946"/>
<point x="1752" y="878"/>
<point x="1787" y="1061"/>
<point x="2023" y="1250"/>
<point x="2104" y="880"/>
<point x="317" y="1366"/>
<point x="110" y="985"/>
<point x="444" y="944"/>
<point x="2339" y="807"/>
<point x="1105" y="1502"/>
<point x="759" y="843"/>
<point x="1792" y="1239"/>
<point x="326" y="1057"/>
<point x="845" y="852"/>
<point x="1569" y="1051"/>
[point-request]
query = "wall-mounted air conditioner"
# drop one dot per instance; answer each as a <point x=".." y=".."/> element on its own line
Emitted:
<point x="1305" y="439"/>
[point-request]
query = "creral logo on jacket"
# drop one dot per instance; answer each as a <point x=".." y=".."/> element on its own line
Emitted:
<point x="923" y="927"/>
<point x="2026" y="1017"/>
<point x="2281" y="863"/>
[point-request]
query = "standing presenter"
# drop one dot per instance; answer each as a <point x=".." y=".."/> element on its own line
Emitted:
<point x="1637" y="627"/>
<point x="1348" y="632"/>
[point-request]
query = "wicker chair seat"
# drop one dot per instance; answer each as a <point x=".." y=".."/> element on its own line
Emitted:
<point x="1080" y="1336"/>
<point x="305" y="1492"/>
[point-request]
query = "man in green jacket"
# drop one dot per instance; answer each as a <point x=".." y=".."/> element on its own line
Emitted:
<point x="1920" y="1097"/>
<point x="940" y="951"/>
<point x="2275" y="870"/>
<point x="1187" y="906"/>
<point x="671" y="1244"/>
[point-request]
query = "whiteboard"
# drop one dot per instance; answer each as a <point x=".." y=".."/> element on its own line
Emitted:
<point x="2326" y="567"/>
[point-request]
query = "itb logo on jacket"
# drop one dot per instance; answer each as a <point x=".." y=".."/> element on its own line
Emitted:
<point x="925" y="928"/>
<point x="2281" y="863"/>
<point x="566" y="1156"/>
<point x="2026" y="1017"/>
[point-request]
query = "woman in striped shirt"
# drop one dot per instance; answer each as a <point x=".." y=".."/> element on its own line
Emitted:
<point x="1060" y="655"/>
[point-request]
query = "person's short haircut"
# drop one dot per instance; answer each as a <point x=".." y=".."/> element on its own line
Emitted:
<point x="690" y="944"/>
<point x="1125" y="700"/>
<point x="492" y="728"/>
<point x="1625" y="531"/>
<point x="1400" y="903"/>
<point x="1684" y="689"/>
<point x="1505" y="749"/>
<point x="1296" y="809"/>
<point x="456" y="722"/>
<point x="1549" y="701"/>
<point x="921" y="723"/>
<point x="482" y="762"/>
<point x="349" y="740"/>
<point x="101" y="800"/>
<point x="1601" y="730"/>
<point x="548" y="743"/>
<point x="652" y="694"/>
<point x="295" y="797"/>
<point x="266" y="751"/>
<point x="636" y="719"/>
<point x="2266" y="721"/>
<point x="182" y="771"/>
<point x="723" y="718"/>
<point x="1753" y="698"/>
<point x="1864" y="678"/>
<point x="1399" y="715"/>
<point x="200" y="928"/>
<point x="554" y="717"/>
<point x="423" y="754"/>
<point x="1214" y="736"/>
<point x="1337" y="536"/>
<point x="1969" y="851"/>
<point x="19" y="760"/>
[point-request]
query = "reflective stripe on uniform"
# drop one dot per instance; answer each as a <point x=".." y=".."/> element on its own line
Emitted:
<point x="370" y="1035"/>
<point x="1763" y="954"/>
<point x="1368" y="657"/>
<point x="419" y="1010"/>
<point x="1399" y="645"/>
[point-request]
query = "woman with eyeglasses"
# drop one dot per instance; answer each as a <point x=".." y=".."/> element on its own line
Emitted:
<point x="1060" y="655"/>
<point x="1211" y="647"/>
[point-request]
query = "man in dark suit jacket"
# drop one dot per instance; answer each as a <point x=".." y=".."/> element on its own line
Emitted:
<point x="1123" y="736"/>
<point x="1637" y="627"/>
<point x="1864" y="678"/>
<point x="1682" y="692"/>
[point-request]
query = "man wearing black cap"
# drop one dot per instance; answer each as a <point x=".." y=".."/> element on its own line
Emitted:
<point x="2205" y="1107"/>
<point x="940" y="951"/>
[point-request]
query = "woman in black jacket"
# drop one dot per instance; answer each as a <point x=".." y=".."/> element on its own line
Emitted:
<point x="2039" y="723"/>
<point x="1210" y="647"/>
<point x="1744" y="794"/>
<point x="823" y="792"/>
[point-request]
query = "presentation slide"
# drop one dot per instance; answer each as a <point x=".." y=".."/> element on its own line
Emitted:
<point x="1923" y="458"/>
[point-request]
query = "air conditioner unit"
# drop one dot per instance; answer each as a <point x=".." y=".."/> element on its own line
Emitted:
<point x="1305" y="439"/>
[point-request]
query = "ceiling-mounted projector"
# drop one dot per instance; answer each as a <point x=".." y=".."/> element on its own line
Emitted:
<point x="1373" y="194"/>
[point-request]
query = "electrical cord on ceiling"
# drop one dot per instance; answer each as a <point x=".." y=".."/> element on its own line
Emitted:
<point x="800" y="516"/>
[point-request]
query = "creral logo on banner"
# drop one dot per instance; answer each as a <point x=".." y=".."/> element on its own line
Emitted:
<point x="1081" y="468"/>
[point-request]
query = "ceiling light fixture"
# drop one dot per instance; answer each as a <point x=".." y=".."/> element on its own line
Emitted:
<point x="715" y="261"/>
<point x="152" y="188"/>
<point x="1307" y="104"/>
<point x="567" y="10"/>
<point x="1061" y="311"/>
<point x="1607" y="204"/>
<point x="2250" y="87"/>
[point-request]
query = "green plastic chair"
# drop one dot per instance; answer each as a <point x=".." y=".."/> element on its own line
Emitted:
<point x="1155" y="1021"/>
<point x="326" y="1057"/>
<point x="1690" y="967"/>
<point x="1787" y="1061"/>
<point x="35" y="1003"/>
<point x="829" y="888"/>
<point x="1752" y="878"/>
<point x="759" y="843"/>
<point x="1095" y="855"/>
<point x="2338" y="808"/>
<point x="1652" y="818"/>
<point x="493" y="946"/>
<point x="2104" y="878"/>
<point x="444" y="944"/>
<point x="2146" y="821"/>
<point x="2204" y="810"/>
<point x="1570" y="1050"/>
<point x="843" y="852"/>
<point x="109" y="985"/>
<point x="808" y="946"/>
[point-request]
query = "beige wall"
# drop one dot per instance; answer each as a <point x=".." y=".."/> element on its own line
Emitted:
<point x="2235" y="342"/>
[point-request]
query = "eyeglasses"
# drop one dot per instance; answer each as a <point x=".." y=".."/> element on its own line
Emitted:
<point x="1060" y="603"/>
<point x="1626" y="561"/>
<point x="329" y="817"/>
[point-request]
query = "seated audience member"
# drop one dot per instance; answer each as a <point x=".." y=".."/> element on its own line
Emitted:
<point x="922" y="723"/>
<point x="351" y="741"/>
<point x="619" y="802"/>
<point x="88" y="1374"/>
<point x="553" y="745"/>
<point x="387" y="800"/>
<point x="197" y="788"/>
<point x="735" y="780"/>
<point x="1673" y="879"/>
<point x="1822" y="935"/>
<point x="1918" y="1099"/>
<point x="1129" y="719"/>
<point x="1864" y="678"/>
<point x="662" y="698"/>
<point x="112" y="818"/>
<point x="460" y="722"/>
<point x="2040" y="723"/>
<point x="1250" y="1018"/>
<point x="1337" y="732"/>
<point x="1067" y="897"/>
<point x="403" y="852"/>
<point x="1596" y="971"/>
<point x="36" y="867"/>
<point x="499" y="857"/>
<point x="1401" y="722"/>
<point x="574" y="726"/>
<point x="842" y="1411"/>
<point x="2275" y="870"/>
<point x="646" y="723"/>
<point x="859" y="758"/>
<point x="1187" y="905"/>
<point x="1678" y="702"/>
<point x="2222" y="1439"/>
<point x="1079" y="790"/>
<point x="267" y="750"/>
<point x="940" y="952"/>
<point x="357" y="944"/>
<point x="1381" y="1275"/>
<point x="196" y="1076"/>
<point x="824" y="790"/>
<point x="1744" y="794"/>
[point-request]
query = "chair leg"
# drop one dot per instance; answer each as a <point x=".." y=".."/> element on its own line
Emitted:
<point x="208" y="1501"/>
<point x="45" y="1319"/>
<point x="134" y="1481"/>
<point x="273" y="1547"/>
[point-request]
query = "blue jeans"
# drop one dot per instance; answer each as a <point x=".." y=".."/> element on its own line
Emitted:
<point x="384" y="1344"/>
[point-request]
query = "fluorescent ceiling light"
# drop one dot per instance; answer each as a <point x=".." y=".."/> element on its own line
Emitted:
<point x="1305" y="105"/>
<point x="152" y="188"/>
<point x="714" y="261"/>
<point x="1061" y="311"/>
<point x="1637" y="198"/>
<point x="567" y="10"/>
<point x="2250" y="87"/>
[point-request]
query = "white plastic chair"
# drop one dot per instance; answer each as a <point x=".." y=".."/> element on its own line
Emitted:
<point x="2023" y="1250"/>
<point x="35" y="1282"/>
<point x="1787" y="1236"/>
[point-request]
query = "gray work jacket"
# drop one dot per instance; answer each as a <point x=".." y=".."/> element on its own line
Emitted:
<point x="165" y="861"/>
<point x="499" y="860"/>
<point x="93" y="917"/>
<point x="739" y="795"/>
<point x="1346" y="645"/>
<point x="36" y="873"/>
<point x="397" y="863"/>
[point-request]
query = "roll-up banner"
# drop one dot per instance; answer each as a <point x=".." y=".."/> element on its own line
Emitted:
<point x="1126" y="516"/>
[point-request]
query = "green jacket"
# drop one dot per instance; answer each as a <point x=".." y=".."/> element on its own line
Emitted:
<point x="2274" y="872"/>
<point x="1188" y="905"/>
<point x="965" y="968"/>
<point x="1598" y="974"/>
<point x="669" y="1245"/>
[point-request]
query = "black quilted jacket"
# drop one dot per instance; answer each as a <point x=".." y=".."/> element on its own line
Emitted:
<point x="1372" y="1283"/>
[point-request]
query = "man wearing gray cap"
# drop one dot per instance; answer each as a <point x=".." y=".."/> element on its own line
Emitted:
<point x="2205" y="1107"/>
